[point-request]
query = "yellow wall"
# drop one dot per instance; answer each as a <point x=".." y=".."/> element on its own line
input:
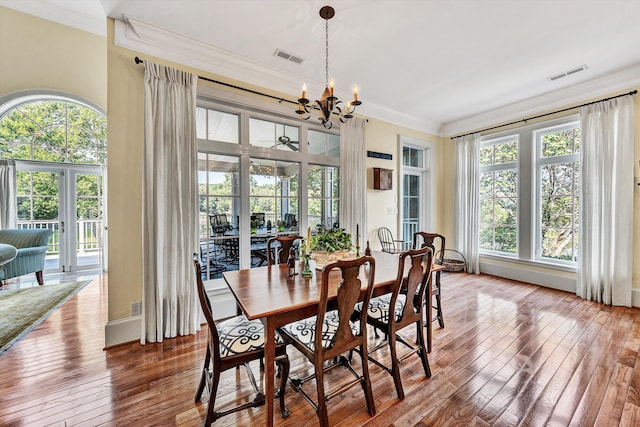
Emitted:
<point x="39" y="54"/>
<point x="384" y="137"/>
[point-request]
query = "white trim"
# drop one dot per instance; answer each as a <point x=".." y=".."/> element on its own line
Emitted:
<point x="94" y="21"/>
<point x="13" y="99"/>
<point x="554" y="99"/>
<point x="223" y="305"/>
<point x="121" y="331"/>
<point x="148" y="39"/>
<point x="635" y="297"/>
<point x="549" y="280"/>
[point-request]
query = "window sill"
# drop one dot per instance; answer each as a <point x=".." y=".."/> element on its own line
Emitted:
<point x="531" y="263"/>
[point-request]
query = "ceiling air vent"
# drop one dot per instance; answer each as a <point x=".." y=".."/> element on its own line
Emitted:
<point x="568" y="73"/>
<point x="289" y="57"/>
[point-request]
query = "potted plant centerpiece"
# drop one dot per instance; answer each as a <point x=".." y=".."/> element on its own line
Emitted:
<point x="330" y="245"/>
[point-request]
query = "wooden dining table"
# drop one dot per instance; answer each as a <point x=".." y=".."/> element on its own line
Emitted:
<point x="271" y="295"/>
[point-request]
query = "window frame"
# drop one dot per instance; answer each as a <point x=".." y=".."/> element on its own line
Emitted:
<point x="498" y="168"/>
<point x="540" y="162"/>
<point x="245" y="151"/>
<point x="528" y="191"/>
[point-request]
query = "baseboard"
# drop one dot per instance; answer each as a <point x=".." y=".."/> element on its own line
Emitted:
<point x="121" y="331"/>
<point x="536" y="277"/>
<point x="223" y="305"/>
<point x="635" y="297"/>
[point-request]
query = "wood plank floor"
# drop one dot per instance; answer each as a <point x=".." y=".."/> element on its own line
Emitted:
<point x="511" y="354"/>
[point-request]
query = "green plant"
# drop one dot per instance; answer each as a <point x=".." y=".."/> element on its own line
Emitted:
<point x="334" y="239"/>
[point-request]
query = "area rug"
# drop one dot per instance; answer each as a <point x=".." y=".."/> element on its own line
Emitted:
<point x="21" y="310"/>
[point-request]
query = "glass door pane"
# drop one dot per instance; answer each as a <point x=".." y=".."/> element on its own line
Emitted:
<point x="88" y="221"/>
<point x="219" y="193"/>
<point x="411" y="205"/>
<point x="38" y="207"/>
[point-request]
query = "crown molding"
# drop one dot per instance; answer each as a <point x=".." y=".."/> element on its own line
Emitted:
<point x="602" y="86"/>
<point x="148" y="39"/>
<point x="61" y="15"/>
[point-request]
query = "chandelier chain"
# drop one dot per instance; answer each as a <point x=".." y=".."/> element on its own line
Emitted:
<point x="326" y="52"/>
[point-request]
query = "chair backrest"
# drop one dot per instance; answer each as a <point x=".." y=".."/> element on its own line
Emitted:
<point x="281" y="255"/>
<point x="214" y="339"/>
<point x="413" y="283"/>
<point x="386" y="240"/>
<point x="433" y="240"/>
<point x="348" y="295"/>
<point x="290" y="220"/>
<point x="224" y="222"/>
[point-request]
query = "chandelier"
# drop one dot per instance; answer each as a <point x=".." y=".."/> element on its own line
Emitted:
<point x="328" y="103"/>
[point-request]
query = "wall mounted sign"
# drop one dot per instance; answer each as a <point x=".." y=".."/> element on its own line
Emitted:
<point x="377" y="155"/>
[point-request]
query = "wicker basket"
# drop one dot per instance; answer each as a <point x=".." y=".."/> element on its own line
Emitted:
<point x="453" y="261"/>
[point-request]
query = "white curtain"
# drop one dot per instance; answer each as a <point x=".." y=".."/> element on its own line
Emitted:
<point x="353" y="179"/>
<point x="170" y="204"/>
<point x="8" y="199"/>
<point x="467" y="199"/>
<point x="605" y="254"/>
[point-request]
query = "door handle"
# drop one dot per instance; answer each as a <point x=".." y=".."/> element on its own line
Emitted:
<point x="62" y="226"/>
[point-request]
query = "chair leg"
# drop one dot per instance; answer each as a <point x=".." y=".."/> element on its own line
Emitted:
<point x="438" y="301"/>
<point x="40" y="278"/>
<point x="203" y="377"/>
<point x="395" y="367"/>
<point x="366" y="386"/>
<point x="321" y="410"/>
<point x="211" y="414"/>
<point x="423" y="354"/>
<point x="283" y="368"/>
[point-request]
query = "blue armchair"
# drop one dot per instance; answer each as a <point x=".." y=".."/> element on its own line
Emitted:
<point x="31" y="247"/>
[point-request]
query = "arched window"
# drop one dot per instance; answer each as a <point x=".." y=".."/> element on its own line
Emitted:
<point x="53" y="130"/>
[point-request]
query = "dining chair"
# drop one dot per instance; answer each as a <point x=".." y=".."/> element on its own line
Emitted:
<point x="433" y="240"/>
<point x="331" y="333"/>
<point x="396" y="310"/>
<point x="279" y="255"/>
<point x="232" y="343"/>
<point x="388" y="243"/>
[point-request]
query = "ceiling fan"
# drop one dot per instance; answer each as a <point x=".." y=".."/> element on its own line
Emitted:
<point x="285" y="140"/>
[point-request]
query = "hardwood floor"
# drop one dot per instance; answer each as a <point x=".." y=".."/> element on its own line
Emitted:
<point x="511" y="354"/>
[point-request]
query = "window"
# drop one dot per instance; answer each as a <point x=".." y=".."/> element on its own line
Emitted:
<point x="278" y="136"/>
<point x="323" y="196"/>
<point x="217" y="126"/>
<point x="54" y="131"/>
<point x="499" y="195"/>
<point x="327" y="144"/>
<point x="274" y="193"/>
<point x="257" y="181"/>
<point x="530" y="193"/>
<point x="558" y="174"/>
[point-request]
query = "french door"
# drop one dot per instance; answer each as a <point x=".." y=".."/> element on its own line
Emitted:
<point x="415" y="190"/>
<point x="68" y="199"/>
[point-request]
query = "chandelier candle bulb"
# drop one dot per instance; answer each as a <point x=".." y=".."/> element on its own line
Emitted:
<point x="304" y="91"/>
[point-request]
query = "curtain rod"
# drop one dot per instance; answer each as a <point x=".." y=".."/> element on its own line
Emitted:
<point x="633" y="92"/>
<point x="255" y="92"/>
<point x="280" y="100"/>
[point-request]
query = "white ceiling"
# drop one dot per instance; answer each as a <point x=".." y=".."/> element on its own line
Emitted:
<point x="442" y="66"/>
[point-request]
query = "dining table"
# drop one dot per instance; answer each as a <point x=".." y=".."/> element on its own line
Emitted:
<point x="277" y="298"/>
